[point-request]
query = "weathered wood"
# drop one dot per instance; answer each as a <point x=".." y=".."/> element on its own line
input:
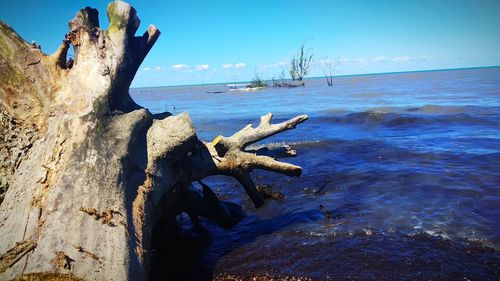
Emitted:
<point x="227" y="155"/>
<point x="88" y="172"/>
<point x="250" y="135"/>
<point x="82" y="129"/>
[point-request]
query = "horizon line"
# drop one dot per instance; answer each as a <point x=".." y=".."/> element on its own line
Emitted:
<point x="318" y="77"/>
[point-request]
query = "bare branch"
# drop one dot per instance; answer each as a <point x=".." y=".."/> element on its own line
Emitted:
<point x="227" y="156"/>
<point x="269" y="164"/>
<point x="328" y="68"/>
<point x="275" y="152"/>
<point x="246" y="181"/>
<point x="249" y="135"/>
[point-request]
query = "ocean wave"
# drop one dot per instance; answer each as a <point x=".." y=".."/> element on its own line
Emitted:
<point x="428" y="109"/>
<point x="441" y="110"/>
<point x="428" y="115"/>
<point x="363" y="145"/>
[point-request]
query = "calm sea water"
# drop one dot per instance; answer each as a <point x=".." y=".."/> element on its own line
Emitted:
<point x="401" y="177"/>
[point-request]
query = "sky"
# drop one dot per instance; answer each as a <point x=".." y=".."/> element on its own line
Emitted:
<point x="227" y="41"/>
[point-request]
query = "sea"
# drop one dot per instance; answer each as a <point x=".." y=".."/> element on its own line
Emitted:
<point x="401" y="179"/>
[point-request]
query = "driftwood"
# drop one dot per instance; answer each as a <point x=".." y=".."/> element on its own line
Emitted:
<point x="227" y="155"/>
<point x="87" y="173"/>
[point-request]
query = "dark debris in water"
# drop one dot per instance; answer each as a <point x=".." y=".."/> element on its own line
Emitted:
<point x="228" y="277"/>
<point x="266" y="192"/>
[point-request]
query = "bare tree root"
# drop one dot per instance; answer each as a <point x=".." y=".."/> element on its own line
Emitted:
<point x="228" y="155"/>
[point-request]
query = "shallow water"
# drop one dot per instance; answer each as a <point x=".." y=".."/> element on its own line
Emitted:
<point x="401" y="177"/>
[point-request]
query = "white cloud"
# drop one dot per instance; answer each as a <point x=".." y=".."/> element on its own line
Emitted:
<point x="425" y="58"/>
<point x="153" y="69"/>
<point x="274" y="65"/>
<point x="182" y="67"/>
<point x="202" y="67"/>
<point x="354" y="61"/>
<point x="236" y="65"/>
<point x="401" y="59"/>
<point x="278" y="64"/>
<point x="324" y="61"/>
<point x="359" y="61"/>
<point x="379" y="59"/>
<point x="240" y="65"/>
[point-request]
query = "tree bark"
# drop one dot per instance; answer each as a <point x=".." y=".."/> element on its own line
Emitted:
<point x="86" y="172"/>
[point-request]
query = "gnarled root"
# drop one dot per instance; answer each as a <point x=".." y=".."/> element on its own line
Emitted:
<point x="207" y="205"/>
<point x="228" y="155"/>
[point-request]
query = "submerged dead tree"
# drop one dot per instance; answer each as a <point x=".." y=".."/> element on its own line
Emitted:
<point x="87" y="172"/>
<point x="328" y="68"/>
<point x="299" y="64"/>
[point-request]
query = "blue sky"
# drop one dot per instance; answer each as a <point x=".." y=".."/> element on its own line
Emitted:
<point x="225" y="41"/>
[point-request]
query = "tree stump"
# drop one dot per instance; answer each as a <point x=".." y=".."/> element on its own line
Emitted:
<point x="85" y="172"/>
